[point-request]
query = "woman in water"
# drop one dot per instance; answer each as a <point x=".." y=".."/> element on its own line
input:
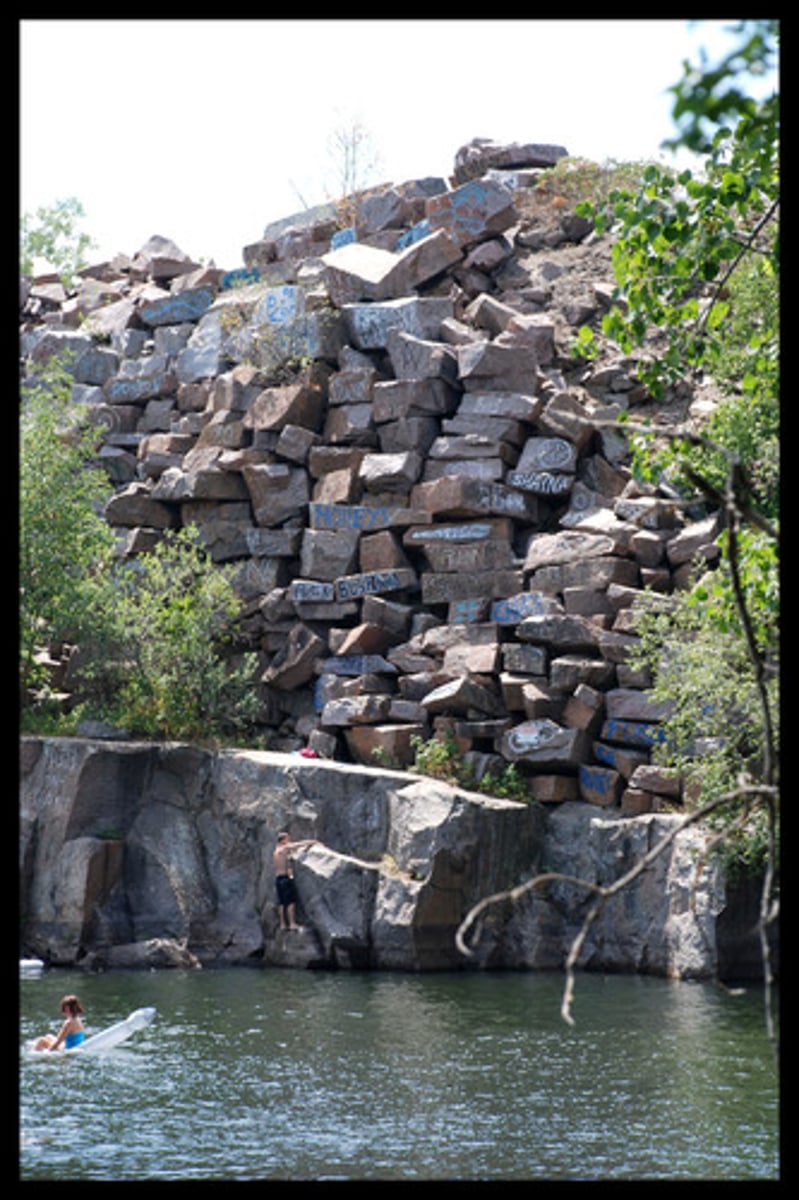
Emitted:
<point x="70" y="1034"/>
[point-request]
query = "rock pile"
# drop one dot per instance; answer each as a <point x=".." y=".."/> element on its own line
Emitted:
<point x="385" y="427"/>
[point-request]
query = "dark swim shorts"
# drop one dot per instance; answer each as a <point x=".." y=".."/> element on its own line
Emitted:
<point x="285" y="890"/>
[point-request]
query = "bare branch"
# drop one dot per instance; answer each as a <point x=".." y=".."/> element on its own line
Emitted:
<point x="604" y="893"/>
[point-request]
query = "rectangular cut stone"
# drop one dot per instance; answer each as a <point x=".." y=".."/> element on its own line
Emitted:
<point x="584" y="709"/>
<point x="350" y="424"/>
<point x="365" y="517"/>
<point x="356" y="664"/>
<point x="421" y="316"/>
<point x="349" y="516"/>
<point x="541" y="483"/>
<point x="419" y="262"/>
<point x="540" y="701"/>
<point x="311" y="590"/>
<point x="485" y="366"/>
<point x="548" y="454"/>
<point x="554" y="789"/>
<point x="472" y="531"/>
<point x="353" y="586"/>
<point x="355" y="710"/>
<point x="556" y="549"/>
<point x="524" y="659"/>
<point x="393" y="744"/>
<point x="398" y="472"/>
<point x="526" y="604"/>
<point x="456" y="496"/>
<point x="395" y="399"/>
<point x="474" y="556"/>
<point x="441" y="589"/>
<point x="328" y="554"/>
<point x="599" y="572"/>
<point x="496" y="429"/>
<point x="561" y="632"/>
<point x="515" y="406"/>
<point x="175" y="309"/>
<point x="354" y="386"/>
<point x="471" y="660"/>
<point x="417" y="358"/>
<point x="570" y="670"/>
<point x="411" y="433"/>
<point x="481" y="470"/>
<point x="468" y="611"/>
<point x="472" y="212"/>
<point x="635" y="801"/>
<point x="355" y="272"/>
<point x="380" y="551"/>
<point x="280" y="304"/>
<point x="664" y="781"/>
<point x="632" y="733"/>
<point x="295" y="404"/>
<point x="544" y="742"/>
<point x="599" y="785"/>
<point x="460" y="696"/>
<point x="632" y="704"/>
<point x="277" y="492"/>
<point x="620" y="758"/>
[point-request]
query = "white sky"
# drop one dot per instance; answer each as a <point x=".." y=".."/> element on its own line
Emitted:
<point x="204" y="131"/>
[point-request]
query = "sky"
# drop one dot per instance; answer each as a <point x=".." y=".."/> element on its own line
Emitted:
<point x="204" y="131"/>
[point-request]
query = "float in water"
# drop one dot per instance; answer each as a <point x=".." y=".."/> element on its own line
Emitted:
<point x="106" y="1038"/>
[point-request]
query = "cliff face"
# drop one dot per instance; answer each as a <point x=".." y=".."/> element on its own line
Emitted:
<point x="385" y="427"/>
<point x="137" y="854"/>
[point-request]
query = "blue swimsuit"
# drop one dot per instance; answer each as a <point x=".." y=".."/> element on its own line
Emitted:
<point x="73" y="1039"/>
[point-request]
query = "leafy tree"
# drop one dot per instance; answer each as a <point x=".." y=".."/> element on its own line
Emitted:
<point x="53" y="234"/>
<point x="695" y="259"/>
<point x="156" y="636"/>
<point x="65" y="544"/>
<point x="696" y="265"/>
<point x="175" y="614"/>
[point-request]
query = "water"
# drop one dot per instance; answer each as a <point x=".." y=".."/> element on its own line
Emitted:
<point x="298" y="1075"/>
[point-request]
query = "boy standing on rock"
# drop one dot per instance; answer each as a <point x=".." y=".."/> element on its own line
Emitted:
<point x="284" y="878"/>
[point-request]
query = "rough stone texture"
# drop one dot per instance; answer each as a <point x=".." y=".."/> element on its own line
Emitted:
<point x="388" y="420"/>
<point x="138" y="854"/>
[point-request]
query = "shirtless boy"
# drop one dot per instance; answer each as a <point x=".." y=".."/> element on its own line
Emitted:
<point x="284" y="878"/>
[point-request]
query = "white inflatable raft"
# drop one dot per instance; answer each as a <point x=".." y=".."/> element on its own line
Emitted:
<point x="106" y="1038"/>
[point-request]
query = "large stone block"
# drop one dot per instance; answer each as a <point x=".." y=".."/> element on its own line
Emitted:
<point x="484" y="154"/>
<point x="416" y="358"/>
<point x="373" y="583"/>
<point x="396" y="399"/>
<point x="277" y="492"/>
<point x="461" y="695"/>
<point x="488" y="366"/>
<point x="294" y="664"/>
<point x="444" y="588"/>
<point x="390" y="745"/>
<point x="390" y="472"/>
<point x="554" y="549"/>
<point x="599" y="785"/>
<point x="478" y="555"/>
<point x="454" y="496"/>
<point x="472" y="212"/>
<point x="561" y="632"/>
<point x="134" y="505"/>
<point x="327" y="554"/>
<point x="368" y="324"/>
<point x="545" y="743"/>
<point x="174" y="309"/>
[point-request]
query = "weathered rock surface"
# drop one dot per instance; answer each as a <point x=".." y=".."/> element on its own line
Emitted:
<point x="382" y="426"/>
<point x="138" y="854"/>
